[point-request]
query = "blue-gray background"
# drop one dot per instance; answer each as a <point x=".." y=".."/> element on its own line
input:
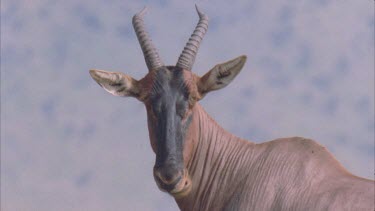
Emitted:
<point x="68" y="145"/>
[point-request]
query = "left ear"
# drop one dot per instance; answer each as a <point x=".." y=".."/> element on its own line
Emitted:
<point x="221" y="75"/>
<point x="116" y="83"/>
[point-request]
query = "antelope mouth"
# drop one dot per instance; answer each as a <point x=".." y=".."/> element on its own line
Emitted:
<point x="178" y="189"/>
<point x="183" y="187"/>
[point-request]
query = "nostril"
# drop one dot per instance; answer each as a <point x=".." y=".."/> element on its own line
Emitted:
<point x="168" y="177"/>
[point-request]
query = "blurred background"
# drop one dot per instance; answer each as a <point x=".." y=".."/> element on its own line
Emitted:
<point x="66" y="144"/>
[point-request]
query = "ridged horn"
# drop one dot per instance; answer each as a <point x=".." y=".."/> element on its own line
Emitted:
<point x="149" y="51"/>
<point x="187" y="57"/>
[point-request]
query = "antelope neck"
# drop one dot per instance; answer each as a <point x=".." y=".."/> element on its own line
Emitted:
<point x="217" y="163"/>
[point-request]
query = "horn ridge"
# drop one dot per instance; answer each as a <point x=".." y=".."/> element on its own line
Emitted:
<point x="150" y="53"/>
<point x="187" y="57"/>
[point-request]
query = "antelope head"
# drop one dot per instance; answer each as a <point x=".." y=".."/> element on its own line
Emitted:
<point x="169" y="94"/>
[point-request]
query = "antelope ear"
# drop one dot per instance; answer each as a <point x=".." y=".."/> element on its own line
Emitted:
<point x="116" y="83"/>
<point x="221" y="75"/>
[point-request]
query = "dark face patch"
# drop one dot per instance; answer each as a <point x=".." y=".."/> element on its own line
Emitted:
<point x="168" y="119"/>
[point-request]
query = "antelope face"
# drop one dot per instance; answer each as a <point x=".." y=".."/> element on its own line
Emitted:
<point x="169" y="94"/>
<point x="168" y="106"/>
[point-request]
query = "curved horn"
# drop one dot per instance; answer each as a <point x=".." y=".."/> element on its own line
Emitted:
<point x="149" y="51"/>
<point x="187" y="57"/>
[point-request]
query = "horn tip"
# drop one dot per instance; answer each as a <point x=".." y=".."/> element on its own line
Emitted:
<point x="141" y="13"/>
<point x="145" y="8"/>
<point x="200" y="13"/>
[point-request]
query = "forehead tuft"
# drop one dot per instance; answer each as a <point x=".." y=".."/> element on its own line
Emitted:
<point x="171" y="75"/>
<point x="169" y="79"/>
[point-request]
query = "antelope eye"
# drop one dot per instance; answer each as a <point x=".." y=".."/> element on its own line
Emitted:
<point x="156" y="107"/>
<point x="181" y="109"/>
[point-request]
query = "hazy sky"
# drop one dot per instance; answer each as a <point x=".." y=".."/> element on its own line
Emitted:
<point x="66" y="144"/>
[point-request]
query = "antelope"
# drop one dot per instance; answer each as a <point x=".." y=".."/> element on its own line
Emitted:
<point x="203" y="166"/>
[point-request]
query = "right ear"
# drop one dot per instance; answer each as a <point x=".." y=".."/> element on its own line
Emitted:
<point x="116" y="83"/>
<point x="220" y="75"/>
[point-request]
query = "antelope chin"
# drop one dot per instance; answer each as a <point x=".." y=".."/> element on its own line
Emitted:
<point x="182" y="188"/>
<point x="179" y="189"/>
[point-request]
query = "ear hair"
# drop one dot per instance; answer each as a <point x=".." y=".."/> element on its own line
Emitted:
<point x="220" y="75"/>
<point x="116" y="83"/>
